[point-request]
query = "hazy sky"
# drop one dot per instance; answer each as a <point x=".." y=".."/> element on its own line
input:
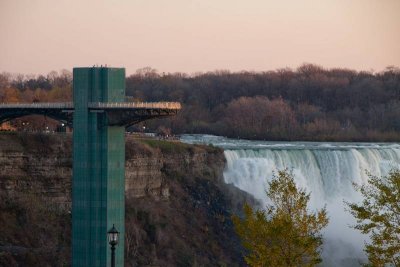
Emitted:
<point x="37" y="36"/>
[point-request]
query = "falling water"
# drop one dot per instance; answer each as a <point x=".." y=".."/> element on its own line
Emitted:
<point x="326" y="170"/>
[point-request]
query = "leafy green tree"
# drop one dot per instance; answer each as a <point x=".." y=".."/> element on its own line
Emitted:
<point x="378" y="215"/>
<point x="286" y="233"/>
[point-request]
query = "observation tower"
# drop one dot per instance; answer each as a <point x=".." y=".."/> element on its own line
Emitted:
<point x="98" y="115"/>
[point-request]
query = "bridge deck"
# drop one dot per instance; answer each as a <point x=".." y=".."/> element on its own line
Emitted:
<point x="61" y="105"/>
<point x="94" y="105"/>
<point x="118" y="113"/>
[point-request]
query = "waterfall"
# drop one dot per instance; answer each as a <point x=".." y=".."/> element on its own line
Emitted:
<point x="327" y="174"/>
<point x="325" y="170"/>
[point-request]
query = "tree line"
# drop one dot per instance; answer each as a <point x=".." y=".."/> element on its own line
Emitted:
<point x="307" y="103"/>
<point x="55" y="86"/>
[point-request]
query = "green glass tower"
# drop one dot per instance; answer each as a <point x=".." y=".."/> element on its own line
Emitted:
<point x="98" y="184"/>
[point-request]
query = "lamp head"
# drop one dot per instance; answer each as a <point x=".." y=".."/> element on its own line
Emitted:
<point x="113" y="235"/>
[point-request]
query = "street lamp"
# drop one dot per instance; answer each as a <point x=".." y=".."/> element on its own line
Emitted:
<point x="113" y="241"/>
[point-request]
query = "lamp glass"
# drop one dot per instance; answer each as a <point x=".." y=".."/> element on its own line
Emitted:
<point x="113" y="235"/>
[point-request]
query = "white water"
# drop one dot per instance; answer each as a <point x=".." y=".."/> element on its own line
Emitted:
<point x="326" y="170"/>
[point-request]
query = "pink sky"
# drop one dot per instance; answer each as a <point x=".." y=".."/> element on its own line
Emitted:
<point x="38" y="36"/>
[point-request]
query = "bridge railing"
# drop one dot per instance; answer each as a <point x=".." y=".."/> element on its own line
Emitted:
<point x="99" y="105"/>
<point x="149" y="105"/>
<point x="39" y="105"/>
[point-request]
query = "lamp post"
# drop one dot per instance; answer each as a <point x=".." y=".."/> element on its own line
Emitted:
<point x="113" y="241"/>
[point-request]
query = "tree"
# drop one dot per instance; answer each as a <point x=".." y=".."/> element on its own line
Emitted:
<point x="286" y="233"/>
<point x="259" y="117"/>
<point x="378" y="215"/>
<point x="11" y="95"/>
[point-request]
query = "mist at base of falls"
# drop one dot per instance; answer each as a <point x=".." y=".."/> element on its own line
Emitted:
<point x="325" y="170"/>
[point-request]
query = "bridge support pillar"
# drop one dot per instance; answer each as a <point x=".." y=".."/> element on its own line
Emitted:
<point x="98" y="185"/>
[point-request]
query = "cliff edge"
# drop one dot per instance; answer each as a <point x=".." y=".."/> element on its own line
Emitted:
<point x="178" y="208"/>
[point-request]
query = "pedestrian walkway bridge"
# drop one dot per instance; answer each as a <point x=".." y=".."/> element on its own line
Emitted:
<point x="118" y="113"/>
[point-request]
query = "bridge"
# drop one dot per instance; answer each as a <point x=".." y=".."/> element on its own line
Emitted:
<point x="98" y="116"/>
<point x="118" y="113"/>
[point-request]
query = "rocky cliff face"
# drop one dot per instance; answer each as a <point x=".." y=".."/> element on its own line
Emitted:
<point x="149" y="163"/>
<point x="177" y="207"/>
<point x="40" y="164"/>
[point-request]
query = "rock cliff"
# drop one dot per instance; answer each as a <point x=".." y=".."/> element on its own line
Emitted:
<point x="177" y="207"/>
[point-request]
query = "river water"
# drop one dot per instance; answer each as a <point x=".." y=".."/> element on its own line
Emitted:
<point x="326" y="170"/>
